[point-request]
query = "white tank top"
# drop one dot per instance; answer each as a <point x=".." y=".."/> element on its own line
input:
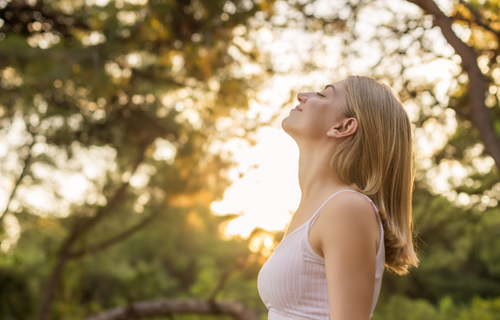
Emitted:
<point x="292" y="282"/>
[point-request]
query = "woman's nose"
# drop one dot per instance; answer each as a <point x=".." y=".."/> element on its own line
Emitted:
<point x="302" y="97"/>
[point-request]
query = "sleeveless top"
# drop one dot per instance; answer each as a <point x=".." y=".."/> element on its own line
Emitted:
<point x="292" y="283"/>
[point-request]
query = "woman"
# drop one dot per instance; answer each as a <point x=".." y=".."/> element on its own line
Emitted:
<point x="355" y="165"/>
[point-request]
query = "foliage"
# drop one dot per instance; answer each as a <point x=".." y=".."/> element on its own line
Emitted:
<point x="116" y="113"/>
<point x="403" y="308"/>
<point x="457" y="249"/>
<point x="136" y="99"/>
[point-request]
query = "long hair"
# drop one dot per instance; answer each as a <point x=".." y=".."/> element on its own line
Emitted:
<point x="378" y="161"/>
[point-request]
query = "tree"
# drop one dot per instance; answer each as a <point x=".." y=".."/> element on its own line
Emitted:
<point x="469" y="14"/>
<point x="149" y="89"/>
<point x="142" y="85"/>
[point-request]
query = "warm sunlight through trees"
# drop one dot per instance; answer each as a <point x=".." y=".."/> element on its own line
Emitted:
<point x="119" y="120"/>
<point x="110" y="114"/>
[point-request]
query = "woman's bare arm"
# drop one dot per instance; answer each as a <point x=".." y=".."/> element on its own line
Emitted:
<point x="349" y="233"/>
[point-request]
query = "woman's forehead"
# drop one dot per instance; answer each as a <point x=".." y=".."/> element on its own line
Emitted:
<point x="336" y="86"/>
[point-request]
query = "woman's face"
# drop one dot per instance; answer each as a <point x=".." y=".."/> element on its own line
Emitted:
<point x="317" y="112"/>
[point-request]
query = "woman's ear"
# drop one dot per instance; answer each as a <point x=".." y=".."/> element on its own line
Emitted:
<point x="346" y="128"/>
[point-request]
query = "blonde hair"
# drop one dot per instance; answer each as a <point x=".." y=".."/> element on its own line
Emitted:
<point x="378" y="161"/>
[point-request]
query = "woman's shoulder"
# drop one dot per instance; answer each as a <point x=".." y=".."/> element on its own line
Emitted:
<point x="349" y="202"/>
<point x="348" y="197"/>
<point x="348" y="213"/>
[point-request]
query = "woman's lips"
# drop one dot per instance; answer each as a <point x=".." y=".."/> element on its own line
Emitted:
<point x="297" y="108"/>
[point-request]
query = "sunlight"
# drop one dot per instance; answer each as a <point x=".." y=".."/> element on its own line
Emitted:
<point x="264" y="190"/>
<point x="265" y="195"/>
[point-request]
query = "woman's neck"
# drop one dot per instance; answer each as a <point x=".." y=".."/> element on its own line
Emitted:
<point x="315" y="179"/>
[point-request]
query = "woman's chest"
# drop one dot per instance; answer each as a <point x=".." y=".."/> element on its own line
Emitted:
<point x="310" y="232"/>
<point x="290" y="269"/>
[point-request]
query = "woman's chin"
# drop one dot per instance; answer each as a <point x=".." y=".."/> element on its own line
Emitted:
<point x="286" y="125"/>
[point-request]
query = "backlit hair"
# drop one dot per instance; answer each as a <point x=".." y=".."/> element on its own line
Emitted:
<point x="377" y="160"/>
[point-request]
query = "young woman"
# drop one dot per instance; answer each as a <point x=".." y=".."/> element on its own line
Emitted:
<point x="355" y="165"/>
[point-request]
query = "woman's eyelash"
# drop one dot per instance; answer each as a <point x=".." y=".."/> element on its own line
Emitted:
<point x="319" y="94"/>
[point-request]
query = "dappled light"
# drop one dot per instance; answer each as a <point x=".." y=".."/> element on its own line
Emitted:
<point x="142" y="155"/>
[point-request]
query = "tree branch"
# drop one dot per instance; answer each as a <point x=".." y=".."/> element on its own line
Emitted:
<point x="166" y="307"/>
<point x="117" y="238"/>
<point x="477" y="84"/>
<point x="221" y="283"/>
<point x="108" y="208"/>
<point x="478" y="18"/>
<point x="240" y="264"/>
<point x="78" y="229"/>
<point x="21" y="176"/>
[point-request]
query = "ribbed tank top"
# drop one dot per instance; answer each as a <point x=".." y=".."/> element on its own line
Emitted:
<point x="292" y="283"/>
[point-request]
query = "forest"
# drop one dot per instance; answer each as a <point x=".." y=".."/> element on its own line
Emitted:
<point x="115" y="117"/>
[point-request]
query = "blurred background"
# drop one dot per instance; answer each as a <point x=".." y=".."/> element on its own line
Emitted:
<point x="143" y="164"/>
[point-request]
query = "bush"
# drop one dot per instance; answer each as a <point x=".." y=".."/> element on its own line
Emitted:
<point x="400" y="307"/>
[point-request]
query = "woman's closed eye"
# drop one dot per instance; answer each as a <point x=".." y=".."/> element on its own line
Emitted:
<point x="319" y="94"/>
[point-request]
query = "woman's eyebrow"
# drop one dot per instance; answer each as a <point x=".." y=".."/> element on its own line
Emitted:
<point x="331" y="86"/>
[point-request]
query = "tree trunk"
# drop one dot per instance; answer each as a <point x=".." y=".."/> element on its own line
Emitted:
<point x="167" y="307"/>
<point x="80" y="228"/>
<point x="477" y="84"/>
<point x="54" y="280"/>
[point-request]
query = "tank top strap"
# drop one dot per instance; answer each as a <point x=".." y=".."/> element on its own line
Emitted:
<point x="316" y="215"/>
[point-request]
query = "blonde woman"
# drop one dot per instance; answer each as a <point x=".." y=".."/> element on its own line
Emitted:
<point x="354" y="217"/>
